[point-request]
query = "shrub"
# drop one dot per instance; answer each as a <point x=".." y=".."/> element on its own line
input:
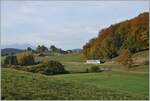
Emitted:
<point x="102" y="60"/>
<point x="53" y="67"/>
<point x="25" y="58"/>
<point x="48" y="68"/>
<point x="95" y="69"/>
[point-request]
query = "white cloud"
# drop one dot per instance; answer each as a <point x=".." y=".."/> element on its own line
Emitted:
<point x="67" y="24"/>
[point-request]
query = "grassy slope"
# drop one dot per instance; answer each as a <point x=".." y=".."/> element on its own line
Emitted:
<point x="133" y="83"/>
<point x="142" y="54"/>
<point x="73" y="62"/>
<point x="74" y="57"/>
<point x="106" y="85"/>
<point x="76" y="62"/>
<point x="24" y="85"/>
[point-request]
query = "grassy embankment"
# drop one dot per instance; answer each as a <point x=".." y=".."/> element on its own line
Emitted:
<point x="105" y="85"/>
<point x="114" y="85"/>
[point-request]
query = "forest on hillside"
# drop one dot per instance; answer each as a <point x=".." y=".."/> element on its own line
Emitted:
<point x="131" y="35"/>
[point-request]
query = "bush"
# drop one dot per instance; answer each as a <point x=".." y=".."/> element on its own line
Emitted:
<point x="95" y="69"/>
<point x="25" y="58"/>
<point x="48" y="68"/>
<point x="53" y="67"/>
<point x="102" y="60"/>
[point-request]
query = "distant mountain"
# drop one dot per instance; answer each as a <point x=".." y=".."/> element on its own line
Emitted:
<point x="17" y="46"/>
<point x="10" y="51"/>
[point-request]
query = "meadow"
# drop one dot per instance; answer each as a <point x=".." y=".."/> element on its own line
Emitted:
<point x="76" y="63"/>
<point x="115" y="84"/>
<point x="46" y="48"/>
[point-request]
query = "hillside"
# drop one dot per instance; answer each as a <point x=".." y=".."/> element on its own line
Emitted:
<point x="141" y="57"/>
<point x="20" y="85"/>
<point x="131" y="34"/>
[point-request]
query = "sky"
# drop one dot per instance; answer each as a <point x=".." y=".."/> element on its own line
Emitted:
<point x="65" y="24"/>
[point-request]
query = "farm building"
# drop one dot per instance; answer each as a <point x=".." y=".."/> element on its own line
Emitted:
<point x="93" y="61"/>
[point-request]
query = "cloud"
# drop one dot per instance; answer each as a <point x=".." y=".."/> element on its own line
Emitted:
<point x="68" y="24"/>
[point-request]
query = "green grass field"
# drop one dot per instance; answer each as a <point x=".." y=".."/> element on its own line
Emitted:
<point x="23" y="85"/>
<point x="116" y="84"/>
<point x="76" y="63"/>
<point x="74" y="57"/>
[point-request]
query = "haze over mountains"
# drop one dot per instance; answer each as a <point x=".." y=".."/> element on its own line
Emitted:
<point x="18" y="46"/>
<point x="15" y="48"/>
<point x="25" y="45"/>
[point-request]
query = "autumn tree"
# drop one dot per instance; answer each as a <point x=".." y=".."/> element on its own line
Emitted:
<point x="132" y="44"/>
<point x="25" y="58"/>
<point x="130" y="34"/>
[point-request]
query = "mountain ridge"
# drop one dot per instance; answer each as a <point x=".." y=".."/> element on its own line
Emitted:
<point x="10" y="51"/>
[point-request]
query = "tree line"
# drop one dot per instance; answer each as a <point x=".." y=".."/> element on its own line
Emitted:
<point x="53" y="48"/>
<point x="132" y="35"/>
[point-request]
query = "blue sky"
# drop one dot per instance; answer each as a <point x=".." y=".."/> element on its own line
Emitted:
<point x="66" y="24"/>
